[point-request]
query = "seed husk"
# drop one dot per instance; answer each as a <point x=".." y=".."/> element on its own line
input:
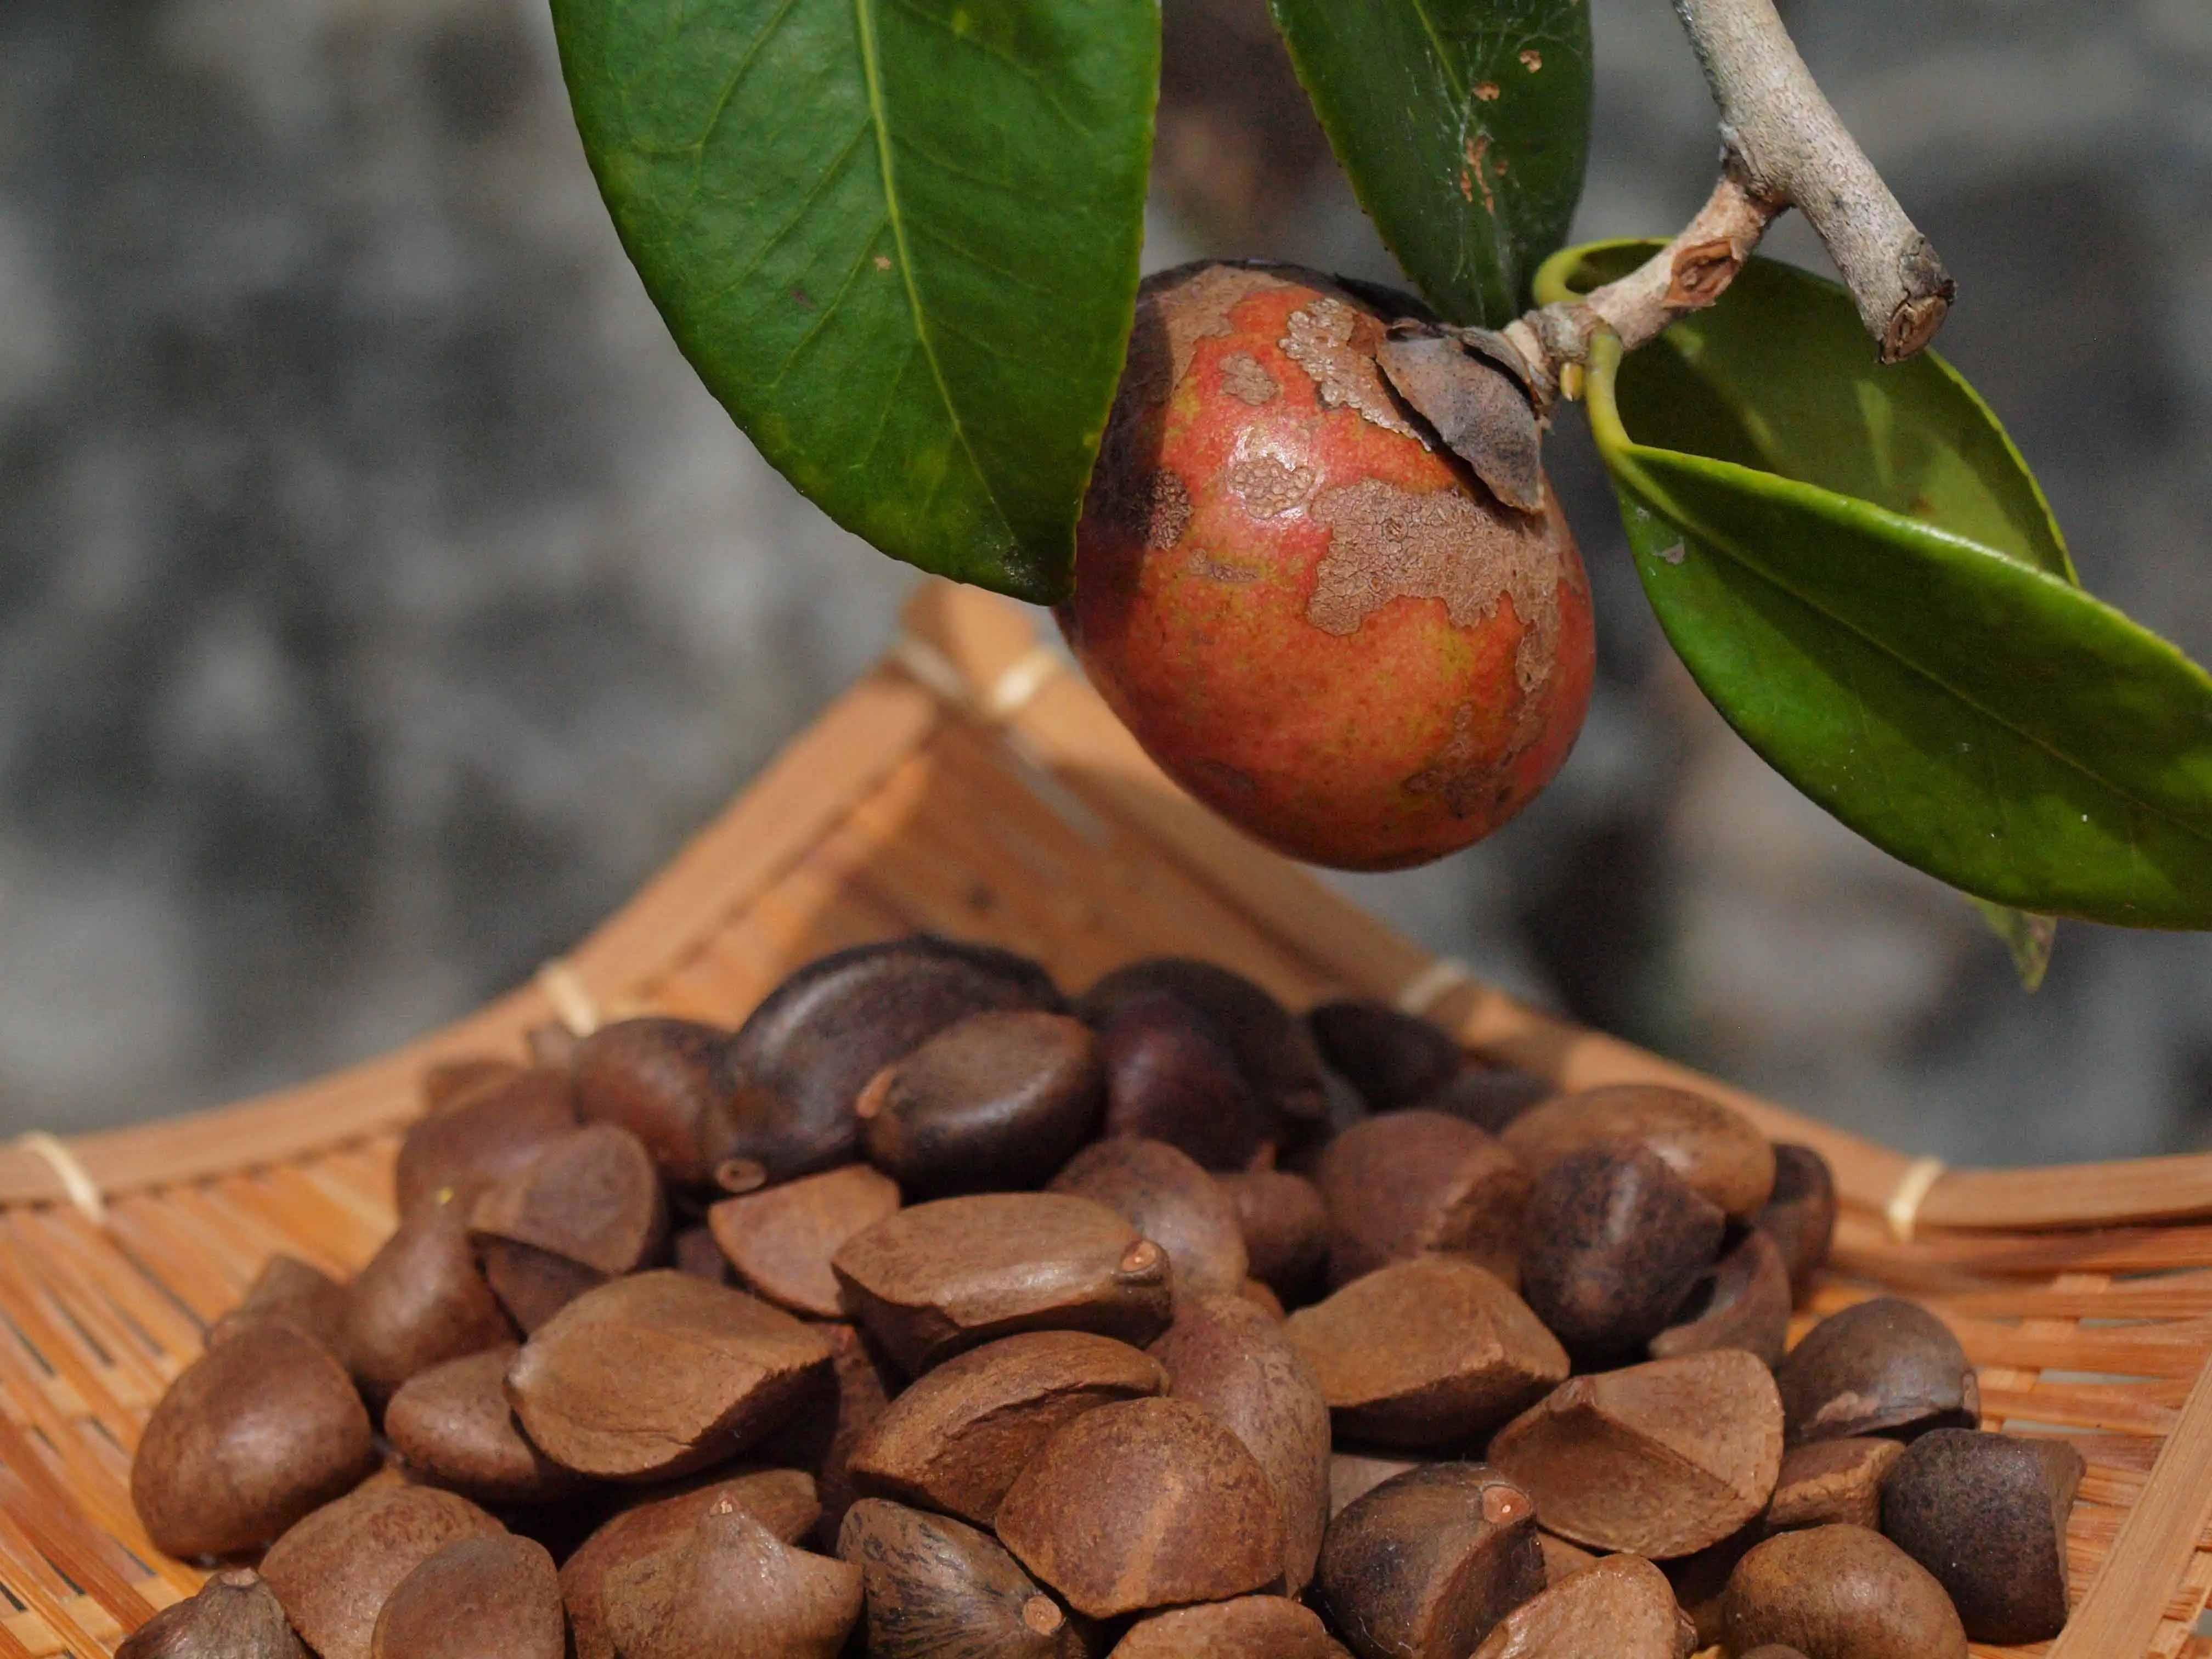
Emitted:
<point x="659" y="1374"/>
<point x="336" y="1569"/>
<point x="593" y="1197"/>
<point x="670" y="1083"/>
<point x="1841" y="1591"/>
<point x="234" y="1616"/>
<point x="828" y="1425"/>
<point x="1800" y="1216"/>
<point x="1248" y="1627"/>
<point x="955" y="1439"/>
<point x="939" y="1278"/>
<point x="1824" y="1482"/>
<point x="256" y="1433"/>
<point x="1886" y="1366"/>
<point x="1741" y="1302"/>
<point x="1418" y="1182"/>
<point x="1285" y="1225"/>
<point x="453" y="1424"/>
<point x="996" y="1101"/>
<point x="1393" y="1059"/>
<point x="1273" y="1048"/>
<point x="533" y="1285"/>
<point x="292" y="1292"/>
<point x="483" y="1137"/>
<point x="1424" y="1566"/>
<point x="1353" y="1474"/>
<point x="1432" y="1353"/>
<point x="781" y="1238"/>
<point x="935" y="1588"/>
<point x="1620" y="1608"/>
<point x="729" y="1582"/>
<point x="495" y="1597"/>
<point x="1168" y="1198"/>
<point x="420" y="1301"/>
<point x="1490" y="1096"/>
<point x="1144" y="1504"/>
<point x="1986" y="1515"/>
<point x="1170" y="1077"/>
<point x="1713" y="1149"/>
<point x="1658" y="1460"/>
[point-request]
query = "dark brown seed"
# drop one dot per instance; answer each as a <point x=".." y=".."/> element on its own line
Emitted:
<point x="732" y="1585"/>
<point x="1615" y="1241"/>
<point x="1742" y="1302"/>
<point x="533" y="1285"/>
<point x="936" y="1589"/>
<point x="1417" y="1183"/>
<point x="1715" y="1150"/>
<point x="1562" y="1560"/>
<point x="1273" y="1048"/>
<point x="452" y="1423"/>
<point x="955" y="1440"/>
<point x="483" y="1137"/>
<point x="1986" y="1515"/>
<point x="782" y="1500"/>
<point x="828" y="1426"/>
<point x="1800" y="1215"/>
<point x="1700" y="1579"/>
<point x="1353" y="1475"/>
<point x="1430" y="1353"/>
<point x="592" y="1197"/>
<point x="551" y="1043"/>
<point x="694" y="1251"/>
<point x="1168" y="1198"/>
<point x="335" y="1570"/>
<point x="478" y="1598"/>
<point x="1285" y="1225"/>
<point x="810" y="1048"/>
<point x="1826" y="1481"/>
<point x="234" y="1616"/>
<point x="1621" y="1607"/>
<point x="939" y="1278"/>
<point x="418" y="1302"/>
<point x="659" y="1374"/>
<point x="251" y="1436"/>
<point x="1774" y="1651"/>
<point x="1249" y="1628"/>
<point x="1659" y="1460"/>
<point x="670" y="1084"/>
<point x="1888" y="1366"/>
<point x="291" y="1292"/>
<point x="1393" y="1059"/>
<point x="1490" y="1096"/>
<point x="1144" y="1504"/>
<point x="1233" y="1358"/>
<point x="1424" y="1566"/>
<point x="995" y="1101"/>
<point x="1840" y="1591"/>
<point x="1170" y="1077"/>
<point x="447" y="1084"/>
<point x="1264" y="1300"/>
<point x="781" y="1238"/>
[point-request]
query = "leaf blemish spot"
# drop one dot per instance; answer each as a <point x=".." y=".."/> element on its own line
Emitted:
<point x="883" y="262"/>
<point x="1531" y="59"/>
<point x="801" y="298"/>
<point x="1486" y="91"/>
<point x="1674" y="554"/>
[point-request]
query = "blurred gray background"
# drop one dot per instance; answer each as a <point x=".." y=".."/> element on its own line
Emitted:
<point x="381" y="598"/>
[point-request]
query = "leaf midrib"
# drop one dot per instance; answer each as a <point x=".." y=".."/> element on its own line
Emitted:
<point x="1466" y="104"/>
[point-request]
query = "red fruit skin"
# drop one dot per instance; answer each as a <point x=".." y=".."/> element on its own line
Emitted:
<point x="1321" y="628"/>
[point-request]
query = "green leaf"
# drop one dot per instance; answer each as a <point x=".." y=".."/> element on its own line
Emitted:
<point x="898" y="240"/>
<point x="2028" y="934"/>
<point x="1859" y="570"/>
<point x="1464" y="125"/>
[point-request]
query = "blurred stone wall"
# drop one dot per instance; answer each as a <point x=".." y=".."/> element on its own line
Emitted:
<point x="381" y="598"/>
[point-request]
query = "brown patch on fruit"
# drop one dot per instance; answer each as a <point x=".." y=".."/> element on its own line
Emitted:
<point x="1244" y="380"/>
<point x="1455" y="771"/>
<point x="1268" y="488"/>
<point x="1318" y="338"/>
<point x="1202" y="304"/>
<point x="1207" y="567"/>
<point x="1167" y="509"/>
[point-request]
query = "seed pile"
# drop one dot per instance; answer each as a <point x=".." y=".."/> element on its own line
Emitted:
<point x="930" y="1315"/>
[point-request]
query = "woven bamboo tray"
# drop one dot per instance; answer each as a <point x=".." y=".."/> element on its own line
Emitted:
<point x="970" y="785"/>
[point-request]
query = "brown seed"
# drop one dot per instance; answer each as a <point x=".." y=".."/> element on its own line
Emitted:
<point x="694" y="1251"/>
<point x="1417" y="1183"/>
<point x="1826" y="1481"/>
<point x="448" y="1083"/>
<point x="1986" y="1515"/>
<point x="823" y="1433"/>
<point x="593" y="1197"/>
<point x="1886" y="1366"/>
<point x="1774" y="1651"/>
<point x="1715" y="1150"/>
<point x="1353" y="1475"/>
<point x="1563" y="1560"/>
<point x="1616" y="1241"/>
<point x="1742" y="1302"/>
<point x="1800" y="1215"/>
<point x="995" y="1101"/>
<point x="1273" y="1048"/>
<point x="483" y="1137"/>
<point x="1249" y="1627"/>
<point x="781" y="1238"/>
<point x="419" y="1301"/>
<point x="669" y="1082"/>
<point x="253" y="1434"/>
<point x="936" y="1589"/>
<point x="1428" y="1352"/>
<point x="810" y="1048"/>
<point x="1393" y="1059"/>
<point x="731" y="1585"/>
<point x="1168" y="1198"/>
<point x="1285" y="1225"/>
<point x="939" y="1277"/>
<point x="659" y="1374"/>
<point x="1264" y="1300"/>
<point x="1145" y="1504"/>
<point x="1659" y="1460"/>
<point x="1700" y="1579"/>
<point x="1170" y="1077"/>
<point x="1227" y="1356"/>
<point x="478" y="1598"/>
<point x="1490" y="1096"/>
<point x="1839" y="1593"/>
<point x="1621" y="1607"/>
<point x="1424" y="1566"/>
<point x="551" y="1043"/>
<point x="533" y="1285"/>
<point x="234" y="1616"/>
<point x="782" y="1500"/>
<point x="336" y="1569"/>
<point x="453" y="1424"/>
<point x="955" y="1440"/>
<point x="291" y="1292"/>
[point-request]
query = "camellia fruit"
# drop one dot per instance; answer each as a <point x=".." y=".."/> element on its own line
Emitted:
<point x="1310" y="612"/>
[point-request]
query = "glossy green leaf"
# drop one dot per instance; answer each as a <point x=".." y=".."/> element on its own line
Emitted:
<point x="1859" y="570"/>
<point x="898" y="240"/>
<point x="1464" y="125"/>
